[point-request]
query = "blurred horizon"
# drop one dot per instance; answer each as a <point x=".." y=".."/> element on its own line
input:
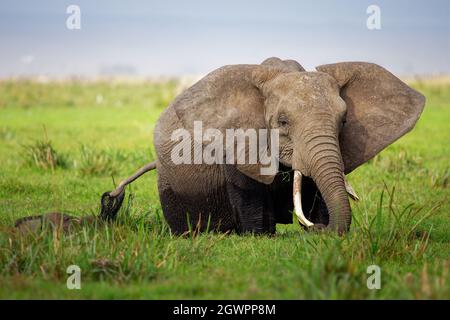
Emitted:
<point x="174" y="38"/>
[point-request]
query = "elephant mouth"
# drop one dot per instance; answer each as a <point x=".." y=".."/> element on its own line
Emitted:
<point x="309" y="204"/>
<point x="313" y="204"/>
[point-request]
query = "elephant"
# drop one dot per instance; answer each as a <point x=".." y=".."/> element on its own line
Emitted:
<point x="58" y="221"/>
<point x="329" y="122"/>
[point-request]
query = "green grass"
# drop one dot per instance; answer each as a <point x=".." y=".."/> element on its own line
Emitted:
<point x="61" y="142"/>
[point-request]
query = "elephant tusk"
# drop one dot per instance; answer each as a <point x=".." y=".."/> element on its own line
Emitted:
<point x="351" y="192"/>
<point x="297" y="200"/>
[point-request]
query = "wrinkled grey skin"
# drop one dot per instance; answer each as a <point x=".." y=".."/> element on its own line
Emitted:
<point x="331" y="121"/>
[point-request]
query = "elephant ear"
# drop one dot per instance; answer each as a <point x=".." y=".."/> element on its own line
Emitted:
<point x="259" y="76"/>
<point x="230" y="97"/>
<point x="380" y="109"/>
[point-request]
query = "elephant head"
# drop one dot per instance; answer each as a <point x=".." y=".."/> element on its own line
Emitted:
<point x="330" y="121"/>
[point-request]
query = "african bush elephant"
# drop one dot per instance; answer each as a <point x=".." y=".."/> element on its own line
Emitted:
<point x="329" y="121"/>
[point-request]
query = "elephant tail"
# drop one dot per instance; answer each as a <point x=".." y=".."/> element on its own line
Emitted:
<point x="112" y="200"/>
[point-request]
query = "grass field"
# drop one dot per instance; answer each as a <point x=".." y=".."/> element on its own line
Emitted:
<point x="60" y="143"/>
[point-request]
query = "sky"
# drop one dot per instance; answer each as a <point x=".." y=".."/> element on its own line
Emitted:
<point x="174" y="38"/>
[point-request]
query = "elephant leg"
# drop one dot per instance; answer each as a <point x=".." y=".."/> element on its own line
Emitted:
<point x="173" y="210"/>
<point x="205" y="210"/>
<point x="281" y="193"/>
<point x="250" y="201"/>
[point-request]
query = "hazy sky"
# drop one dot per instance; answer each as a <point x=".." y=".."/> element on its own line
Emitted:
<point x="195" y="37"/>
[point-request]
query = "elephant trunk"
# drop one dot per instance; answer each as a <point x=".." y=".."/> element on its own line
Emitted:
<point x="326" y="170"/>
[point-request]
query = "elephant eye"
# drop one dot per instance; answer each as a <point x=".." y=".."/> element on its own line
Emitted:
<point x="282" y="121"/>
